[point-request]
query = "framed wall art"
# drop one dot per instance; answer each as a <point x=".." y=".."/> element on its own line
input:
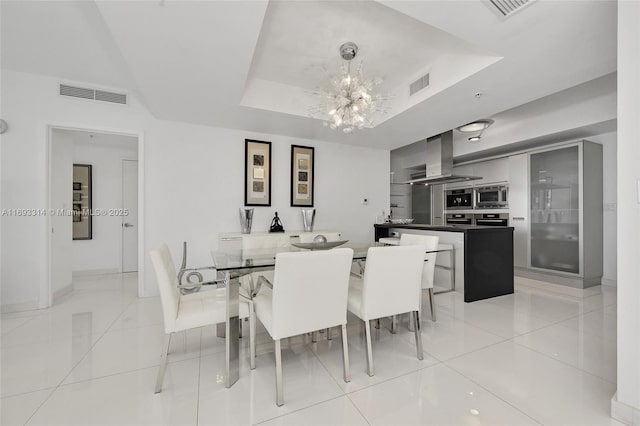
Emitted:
<point x="257" y="173"/>
<point x="302" y="178"/>
<point x="82" y="195"/>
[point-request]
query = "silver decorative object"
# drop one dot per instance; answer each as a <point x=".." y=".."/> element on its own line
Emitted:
<point x="246" y="218"/>
<point x="308" y="216"/>
<point x="320" y="239"/>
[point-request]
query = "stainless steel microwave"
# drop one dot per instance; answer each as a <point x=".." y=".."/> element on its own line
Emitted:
<point x="459" y="199"/>
<point x="492" y="197"/>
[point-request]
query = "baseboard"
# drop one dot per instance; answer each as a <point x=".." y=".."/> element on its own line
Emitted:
<point x="609" y="282"/>
<point x="568" y="281"/>
<point x="624" y="413"/>
<point x="86" y="272"/>
<point x="19" y="307"/>
<point x="62" y="292"/>
<point x="521" y="281"/>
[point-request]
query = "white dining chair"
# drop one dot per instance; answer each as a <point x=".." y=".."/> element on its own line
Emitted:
<point x="308" y="237"/>
<point x="251" y="242"/>
<point x="390" y="286"/>
<point x="429" y="243"/>
<point x="184" y="312"/>
<point x="308" y="293"/>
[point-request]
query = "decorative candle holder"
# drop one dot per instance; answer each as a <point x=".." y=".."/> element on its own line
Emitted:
<point x="246" y="218"/>
<point x="308" y="216"/>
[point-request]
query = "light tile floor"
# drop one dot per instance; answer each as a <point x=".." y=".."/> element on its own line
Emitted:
<point x="539" y="356"/>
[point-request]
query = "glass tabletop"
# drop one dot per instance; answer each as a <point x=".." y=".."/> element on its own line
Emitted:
<point x="227" y="260"/>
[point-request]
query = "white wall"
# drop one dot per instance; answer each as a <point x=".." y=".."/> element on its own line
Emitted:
<point x="627" y="405"/>
<point x="193" y="181"/>
<point x="61" y="198"/>
<point x="103" y="253"/>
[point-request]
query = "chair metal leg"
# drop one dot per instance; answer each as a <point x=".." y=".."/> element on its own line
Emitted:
<point x="163" y="362"/>
<point x="367" y="332"/>
<point x="252" y="337"/>
<point x="279" y="390"/>
<point x="345" y="354"/>
<point x="432" y="305"/>
<point x="329" y="336"/>
<point x="394" y="324"/>
<point x="418" y="334"/>
<point x="314" y="337"/>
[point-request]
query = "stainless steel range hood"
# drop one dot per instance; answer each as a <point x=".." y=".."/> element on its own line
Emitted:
<point x="439" y="165"/>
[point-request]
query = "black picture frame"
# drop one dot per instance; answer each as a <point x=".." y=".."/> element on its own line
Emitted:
<point x="257" y="173"/>
<point x="82" y="223"/>
<point x="302" y="176"/>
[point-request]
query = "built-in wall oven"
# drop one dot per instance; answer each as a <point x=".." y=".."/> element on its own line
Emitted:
<point x="459" y="219"/>
<point x="492" y="219"/>
<point x="459" y="199"/>
<point x="492" y="197"/>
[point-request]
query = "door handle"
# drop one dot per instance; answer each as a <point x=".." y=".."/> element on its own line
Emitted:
<point x="127" y="225"/>
<point x="517" y="218"/>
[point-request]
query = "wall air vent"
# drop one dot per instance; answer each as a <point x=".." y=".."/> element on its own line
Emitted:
<point x="93" y="94"/>
<point x="509" y="7"/>
<point x="419" y="84"/>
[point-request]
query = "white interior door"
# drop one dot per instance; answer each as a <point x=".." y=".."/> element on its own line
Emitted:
<point x="130" y="221"/>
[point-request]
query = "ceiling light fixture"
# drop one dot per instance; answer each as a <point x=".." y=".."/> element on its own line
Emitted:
<point x="351" y="100"/>
<point x="476" y="126"/>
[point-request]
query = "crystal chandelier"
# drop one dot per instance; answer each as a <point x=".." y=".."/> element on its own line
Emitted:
<point x="351" y="100"/>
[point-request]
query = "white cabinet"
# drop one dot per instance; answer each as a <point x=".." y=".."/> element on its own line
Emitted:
<point x="519" y="207"/>
<point x="492" y="171"/>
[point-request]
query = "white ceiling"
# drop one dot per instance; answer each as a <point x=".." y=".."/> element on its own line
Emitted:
<point x="297" y="53"/>
<point x="191" y="61"/>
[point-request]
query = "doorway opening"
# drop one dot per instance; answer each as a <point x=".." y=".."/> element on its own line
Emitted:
<point x="95" y="220"/>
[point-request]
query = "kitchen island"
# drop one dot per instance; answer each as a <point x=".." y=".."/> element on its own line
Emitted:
<point x="485" y="253"/>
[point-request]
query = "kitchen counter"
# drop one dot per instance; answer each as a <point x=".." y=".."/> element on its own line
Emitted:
<point x="448" y="228"/>
<point x="486" y="253"/>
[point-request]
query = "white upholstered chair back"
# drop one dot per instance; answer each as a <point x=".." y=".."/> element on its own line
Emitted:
<point x="429" y="243"/>
<point x="307" y="237"/>
<point x="310" y="291"/>
<point x="168" y="284"/>
<point x="391" y="282"/>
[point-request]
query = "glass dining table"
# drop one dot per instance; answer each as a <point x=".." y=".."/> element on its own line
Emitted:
<point x="233" y="264"/>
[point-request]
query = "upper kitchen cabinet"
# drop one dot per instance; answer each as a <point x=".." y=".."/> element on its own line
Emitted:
<point x="491" y="171"/>
<point x="564" y="214"/>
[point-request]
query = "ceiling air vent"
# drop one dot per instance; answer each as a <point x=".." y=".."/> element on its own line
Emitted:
<point x="93" y="94"/>
<point x="509" y="7"/>
<point x="419" y="84"/>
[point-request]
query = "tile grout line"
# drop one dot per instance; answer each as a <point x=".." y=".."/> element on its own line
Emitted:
<point x="75" y="365"/>
<point x="491" y="393"/>
<point x="358" y="409"/>
<point x="297" y="410"/>
<point x="566" y="363"/>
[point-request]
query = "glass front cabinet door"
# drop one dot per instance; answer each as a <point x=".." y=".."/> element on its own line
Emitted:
<point x="565" y="212"/>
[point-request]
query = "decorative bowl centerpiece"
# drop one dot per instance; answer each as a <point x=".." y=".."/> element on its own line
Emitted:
<point x="401" y="221"/>
<point x="319" y="243"/>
